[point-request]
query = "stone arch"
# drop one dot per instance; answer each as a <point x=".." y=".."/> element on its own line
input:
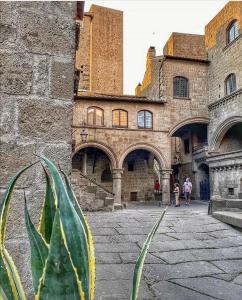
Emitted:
<point x="158" y="155"/>
<point x="106" y="149"/>
<point x="221" y="131"/>
<point x="188" y="121"/>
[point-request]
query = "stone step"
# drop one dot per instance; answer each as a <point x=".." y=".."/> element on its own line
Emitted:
<point x="229" y="217"/>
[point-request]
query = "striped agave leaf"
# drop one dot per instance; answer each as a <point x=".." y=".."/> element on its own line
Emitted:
<point x="39" y="250"/>
<point x="59" y="280"/>
<point x="73" y="229"/>
<point x="8" y="272"/>
<point x="48" y="210"/>
<point x="140" y="262"/>
<point x="91" y="255"/>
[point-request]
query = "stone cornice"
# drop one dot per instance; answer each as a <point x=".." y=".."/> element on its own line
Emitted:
<point x="224" y="100"/>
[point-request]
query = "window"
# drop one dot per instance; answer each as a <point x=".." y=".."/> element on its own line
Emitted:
<point x="95" y="116"/>
<point x="186" y="146"/>
<point x="232" y="31"/>
<point x="120" y="118"/>
<point x="230" y="191"/>
<point x="145" y="119"/>
<point x="230" y="84"/>
<point x="180" y="87"/>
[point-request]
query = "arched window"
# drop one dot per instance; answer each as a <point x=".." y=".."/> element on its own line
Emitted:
<point x="232" y="31"/>
<point x="230" y="84"/>
<point x="120" y="118"/>
<point x="180" y="87"/>
<point x="95" y="116"/>
<point x="145" y="119"/>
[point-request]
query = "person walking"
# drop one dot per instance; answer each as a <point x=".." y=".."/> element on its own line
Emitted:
<point x="187" y="189"/>
<point x="177" y="194"/>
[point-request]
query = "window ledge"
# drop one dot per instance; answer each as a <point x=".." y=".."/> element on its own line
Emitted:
<point x="143" y="128"/>
<point x="182" y="98"/>
<point x="231" y="43"/>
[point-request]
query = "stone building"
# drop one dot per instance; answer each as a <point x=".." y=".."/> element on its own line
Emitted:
<point x="224" y="47"/>
<point x="37" y="47"/>
<point x="209" y="69"/>
<point x="180" y="92"/>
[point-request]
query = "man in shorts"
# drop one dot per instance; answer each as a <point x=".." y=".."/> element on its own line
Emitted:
<point x="187" y="189"/>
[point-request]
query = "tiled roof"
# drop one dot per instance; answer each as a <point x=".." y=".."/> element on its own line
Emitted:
<point x="99" y="96"/>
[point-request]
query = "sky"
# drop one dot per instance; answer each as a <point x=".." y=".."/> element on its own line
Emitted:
<point x="150" y="23"/>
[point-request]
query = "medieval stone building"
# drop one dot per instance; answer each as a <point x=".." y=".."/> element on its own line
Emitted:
<point x="183" y="120"/>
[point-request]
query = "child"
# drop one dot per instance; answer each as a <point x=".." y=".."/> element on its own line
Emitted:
<point x="157" y="187"/>
<point x="177" y="194"/>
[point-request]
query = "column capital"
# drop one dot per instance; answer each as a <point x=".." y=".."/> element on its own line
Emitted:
<point x="117" y="173"/>
<point x="166" y="172"/>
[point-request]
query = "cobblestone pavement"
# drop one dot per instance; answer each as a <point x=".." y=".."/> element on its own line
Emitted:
<point x="193" y="256"/>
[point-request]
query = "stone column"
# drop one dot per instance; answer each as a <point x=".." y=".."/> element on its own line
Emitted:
<point x="117" y="184"/>
<point x="165" y="184"/>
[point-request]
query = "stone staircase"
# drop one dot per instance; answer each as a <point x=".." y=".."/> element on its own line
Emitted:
<point x="228" y="211"/>
<point x="91" y="195"/>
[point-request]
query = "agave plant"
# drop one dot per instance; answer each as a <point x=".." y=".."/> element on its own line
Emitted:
<point x="62" y="252"/>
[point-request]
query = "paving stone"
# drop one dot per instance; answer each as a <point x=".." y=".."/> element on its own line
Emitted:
<point x="190" y="236"/>
<point x="226" y="277"/>
<point x="229" y="266"/>
<point x="238" y="279"/>
<point x="117" y="247"/>
<point x="170" y="291"/>
<point x="132" y="258"/>
<point x="104" y="231"/>
<point x="182" y="270"/>
<point x="200" y="254"/>
<point x="142" y="230"/>
<point x="212" y="287"/>
<point x="119" y="290"/>
<point x="108" y="258"/>
<point x="224" y="233"/>
<point x="115" y="271"/>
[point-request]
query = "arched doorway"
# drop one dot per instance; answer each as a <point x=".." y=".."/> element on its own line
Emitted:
<point x="142" y="166"/>
<point x="203" y="182"/>
<point x="95" y="164"/>
<point x="189" y="145"/>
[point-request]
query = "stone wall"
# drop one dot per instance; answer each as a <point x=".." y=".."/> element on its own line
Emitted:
<point x="186" y="45"/>
<point x="37" y="48"/>
<point x="100" y="56"/>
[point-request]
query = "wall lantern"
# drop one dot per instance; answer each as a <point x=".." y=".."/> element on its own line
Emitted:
<point x="84" y="135"/>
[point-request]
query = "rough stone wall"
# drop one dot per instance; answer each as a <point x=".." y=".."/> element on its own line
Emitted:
<point x="141" y="179"/>
<point x="37" y="48"/>
<point x="100" y="56"/>
<point x="83" y="53"/>
<point x="186" y="45"/>
<point x="224" y="59"/>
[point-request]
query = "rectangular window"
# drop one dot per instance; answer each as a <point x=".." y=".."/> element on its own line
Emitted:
<point x="133" y="196"/>
<point x="231" y="191"/>
<point x="90" y="116"/>
<point x="99" y="117"/>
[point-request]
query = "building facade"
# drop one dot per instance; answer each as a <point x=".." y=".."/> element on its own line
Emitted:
<point x="189" y="94"/>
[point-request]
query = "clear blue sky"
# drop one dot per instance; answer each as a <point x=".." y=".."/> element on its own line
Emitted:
<point x="150" y="23"/>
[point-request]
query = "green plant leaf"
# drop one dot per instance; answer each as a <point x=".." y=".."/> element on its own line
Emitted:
<point x="140" y="262"/>
<point x="4" y="205"/>
<point x="6" y="291"/>
<point x="13" y="276"/>
<point x="91" y="255"/>
<point x="48" y="210"/>
<point x="39" y="250"/>
<point x="60" y="280"/>
<point x="77" y="244"/>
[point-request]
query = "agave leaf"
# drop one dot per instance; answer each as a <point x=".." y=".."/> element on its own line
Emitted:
<point x="88" y="233"/>
<point x="140" y="262"/>
<point x="39" y="250"/>
<point x="4" y="205"/>
<point x="48" y="211"/>
<point x="77" y="244"/>
<point x="60" y="280"/>
<point x="14" y="279"/>
<point x="6" y="291"/>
